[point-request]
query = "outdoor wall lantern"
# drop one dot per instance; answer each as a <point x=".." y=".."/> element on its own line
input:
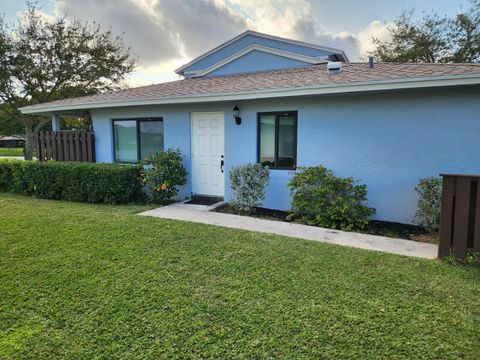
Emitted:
<point x="236" y="115"/>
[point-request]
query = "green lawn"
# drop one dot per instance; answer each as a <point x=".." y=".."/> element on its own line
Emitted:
<point x="95" y="281"/>
<point x="11" y="151"/>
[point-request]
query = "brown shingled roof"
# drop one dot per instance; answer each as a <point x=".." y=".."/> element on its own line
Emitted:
<point x="278" y="79"/>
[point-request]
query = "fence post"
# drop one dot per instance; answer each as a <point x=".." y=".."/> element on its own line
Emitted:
<point x="37" y="145"/>
<point x="446" y="216"/>
<point x="460" y="216"/>
<point x="89" y="147"/>
<point x="53" y="137"/>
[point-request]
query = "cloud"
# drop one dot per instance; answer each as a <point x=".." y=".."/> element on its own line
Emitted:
<point x="200" y="25"/>
<point x="307" y="30"/>
<point x="294" y="19"/>
<point x="376" y="29"/>
<point x="159" y="31"/>
<point x="142" y="30"/>
<point x="274" y="17"/>
<point x="168" y="33"/>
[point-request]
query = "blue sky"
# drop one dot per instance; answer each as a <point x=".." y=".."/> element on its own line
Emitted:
<point x="167" y="33"/>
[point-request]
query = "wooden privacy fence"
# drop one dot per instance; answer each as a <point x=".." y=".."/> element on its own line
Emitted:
<point x="65" y="146"/>
<point x="460" y="216"/>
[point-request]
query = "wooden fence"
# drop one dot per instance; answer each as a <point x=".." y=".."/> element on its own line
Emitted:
<point x="65" y="146"/>
<point x="460" y="216"/>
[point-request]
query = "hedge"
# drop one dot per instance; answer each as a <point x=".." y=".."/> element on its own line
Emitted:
<point x="72" y="181"/>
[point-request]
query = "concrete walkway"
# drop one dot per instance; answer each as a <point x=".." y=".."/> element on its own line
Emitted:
<point x="202" y="214"/>
<point x="12" y="157"/>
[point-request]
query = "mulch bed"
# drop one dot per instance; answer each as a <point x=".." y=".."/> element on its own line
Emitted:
<point x="376" y="227"/>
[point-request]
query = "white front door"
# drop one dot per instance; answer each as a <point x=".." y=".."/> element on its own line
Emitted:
<point x="208" y="154"/>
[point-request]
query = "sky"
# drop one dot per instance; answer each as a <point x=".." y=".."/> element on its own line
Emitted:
<point x="165" y="34"/>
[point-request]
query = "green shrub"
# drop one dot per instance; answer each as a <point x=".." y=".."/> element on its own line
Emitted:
<point x="73" y="181"/>
<point x="248" y="184"/>
<point x="164" y="174"/>
<point x="319" y="198"/>
<point x="429" y="201"/>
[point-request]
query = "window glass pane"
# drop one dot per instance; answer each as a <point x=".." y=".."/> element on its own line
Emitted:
<point x="151" y="138"/>
<point x="125" y="140"/>
<point x="286" y="141"/>
<point x="267" y="140"/>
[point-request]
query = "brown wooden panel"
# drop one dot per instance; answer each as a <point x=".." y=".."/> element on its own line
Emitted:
<point x="53" y="136"/>
<point x="71" y="146"/>
<point x="66" y="153"/>
<point x="78" y="153"/>
<point x="37" y="145"/>
<point x="476" y="233"/>
<point x="48" y="145"/>
<point x="89" y="147"/>
<point x="41" y="145"/>
<point x="84" y="147"/>
<point x="92" y="136"/>
<point x="59" y="146"/>
<point x="460" y="230"/>
<point x="448" y="193"/>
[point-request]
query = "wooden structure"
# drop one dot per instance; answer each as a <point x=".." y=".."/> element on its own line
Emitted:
<point x="460" y="216"/>
<point x="65" y="145"/>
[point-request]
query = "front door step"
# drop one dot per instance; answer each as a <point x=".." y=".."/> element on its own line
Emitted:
<point x="204" y="200"/>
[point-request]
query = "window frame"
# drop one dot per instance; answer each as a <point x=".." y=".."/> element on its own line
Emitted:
<point x="277" y="114"/>
<point x="137" y="120"/>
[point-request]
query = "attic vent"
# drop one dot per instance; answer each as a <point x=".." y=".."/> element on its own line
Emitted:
<point x="334" y="67"/>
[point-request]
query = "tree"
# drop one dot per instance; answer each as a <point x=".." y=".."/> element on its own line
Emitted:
<point x="433" y="38"/>
<point x="9" y="124"/>
<point x="42" y="61"/>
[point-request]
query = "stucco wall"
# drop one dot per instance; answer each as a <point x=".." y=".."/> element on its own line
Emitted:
<point x="176" y="129"/>
<point x="387" y="141"/>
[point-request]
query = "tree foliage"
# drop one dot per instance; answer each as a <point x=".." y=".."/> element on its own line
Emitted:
<point x="9" y="122"/>
<point x="45" y="60"/>
<point x="433" y="38"/>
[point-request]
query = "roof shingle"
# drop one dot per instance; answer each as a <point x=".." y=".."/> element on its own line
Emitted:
<point x="279" y="79"/>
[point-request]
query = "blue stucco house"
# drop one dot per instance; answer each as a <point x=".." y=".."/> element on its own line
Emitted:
<point x="385" y="124"/>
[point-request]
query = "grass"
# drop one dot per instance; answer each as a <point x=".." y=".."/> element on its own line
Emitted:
<point x="11" y="151"/>
<point x="95" y="281"/>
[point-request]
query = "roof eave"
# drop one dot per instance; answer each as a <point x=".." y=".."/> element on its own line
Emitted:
<point x="331" y="89"/>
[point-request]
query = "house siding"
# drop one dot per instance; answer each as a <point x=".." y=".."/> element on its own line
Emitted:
<point x="386" y="140"/>
<point x="257" y="61"/>
<point x="248" y="40"/>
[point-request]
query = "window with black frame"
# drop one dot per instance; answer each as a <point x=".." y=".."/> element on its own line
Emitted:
<point x="277" y="139"/>
<point x="137" y="139"/>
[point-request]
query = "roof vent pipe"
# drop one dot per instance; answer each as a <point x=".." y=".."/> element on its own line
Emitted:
<point x="370" y="62"/>
<point x="334" y="67"/>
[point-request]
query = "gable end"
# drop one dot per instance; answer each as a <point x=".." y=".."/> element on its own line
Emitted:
<point x="290" y="48"/>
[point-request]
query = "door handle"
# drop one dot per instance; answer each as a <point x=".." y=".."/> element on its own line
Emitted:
<point x="221" y="165"/>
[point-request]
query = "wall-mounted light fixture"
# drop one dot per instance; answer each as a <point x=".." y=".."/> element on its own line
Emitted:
<point x="236" y="115"/>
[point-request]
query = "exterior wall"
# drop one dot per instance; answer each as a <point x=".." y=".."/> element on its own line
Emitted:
<point x="176" y="124"/>
<point x="387" y="141"/>
<point x="257" y="61"/>
<point x="247" y="41"/>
